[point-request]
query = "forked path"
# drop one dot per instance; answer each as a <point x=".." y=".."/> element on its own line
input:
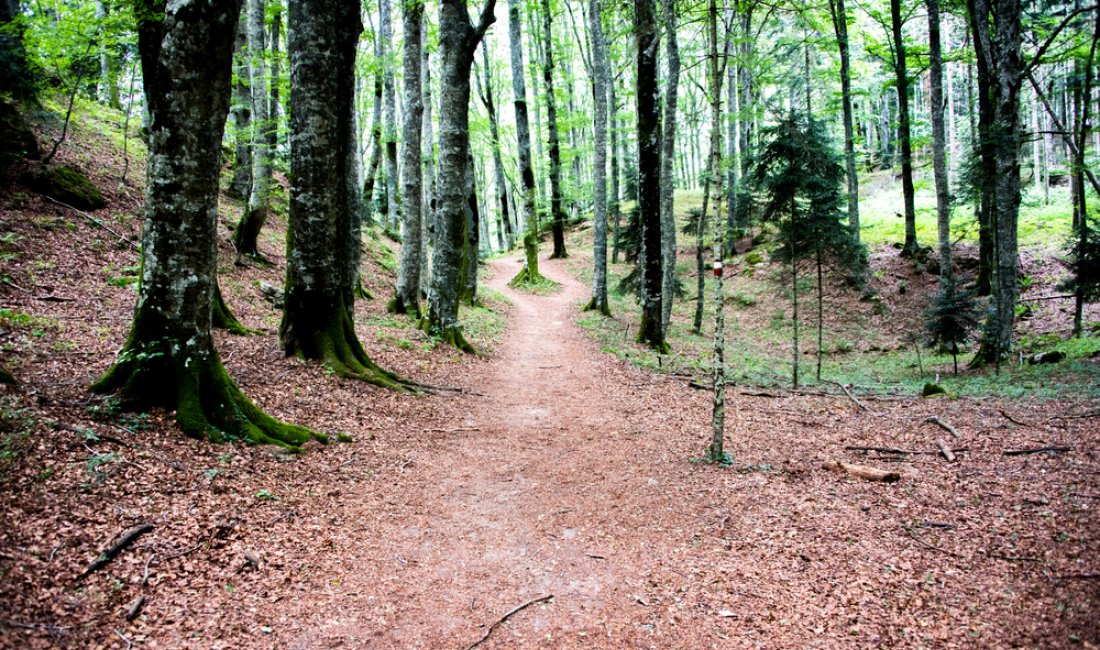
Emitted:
<point x="517" y="503"/>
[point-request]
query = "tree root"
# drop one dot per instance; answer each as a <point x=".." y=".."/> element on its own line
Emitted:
<point x="598" y="305"/>
<point x="452" y="336"/>
<point x="224" y="319"/>
<point x="525" y="277"/>
<point x="208" y="404"/>
<point x="339" y="349"/>
<point x="397" y="306"/>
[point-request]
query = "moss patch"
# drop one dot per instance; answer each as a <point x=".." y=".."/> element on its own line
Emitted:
<point x="65" y="184"/>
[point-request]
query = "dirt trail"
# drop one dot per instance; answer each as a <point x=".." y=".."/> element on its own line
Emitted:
<point x="503" y="512"/>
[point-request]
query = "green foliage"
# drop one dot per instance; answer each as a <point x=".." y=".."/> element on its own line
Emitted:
<point x="1084" y="263"/>
<point x="952" y="317"/>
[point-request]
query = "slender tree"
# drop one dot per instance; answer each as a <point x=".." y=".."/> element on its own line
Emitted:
<point x="650" y="331"/>
<point x="407" y="293"/>
<point x="599" y="182"/>
<point x="376" y="146"/>
<point x="458" y="39"/>
<point x="317" y="319"/>
<point x="241" y="184"/>
<point x="169" y="359"/>
<point x="389" y="107"/>
<point x="486" y="92"/>
<point x="839" y="15"/>
<point x="246" y="237"/>
<point x="557" y="215"/>
<point x="530" y="272"/>
<point x="668" y="151"/>
<point x="904" y="138"/>
<point x="939" y="144"/>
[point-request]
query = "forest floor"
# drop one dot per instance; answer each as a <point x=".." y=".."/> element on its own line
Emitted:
<point x="562" y="477"/>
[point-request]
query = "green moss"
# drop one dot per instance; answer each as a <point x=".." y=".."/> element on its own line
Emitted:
<point x="65" y="184"/>
<point x="222" y="318"/>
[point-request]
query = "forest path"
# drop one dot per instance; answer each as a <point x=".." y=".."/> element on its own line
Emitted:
<point x="512" y="507"/>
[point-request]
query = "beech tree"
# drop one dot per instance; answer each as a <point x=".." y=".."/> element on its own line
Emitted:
<point x="458" y="39"/>
<point x="599" y="183"/>
<point x="259" y="197"/>
<point x="668" y="153"/>
<point x="406" y="298"/>
<point x="651" y="330"/>
<point x="530" y="272"/>
<point x="320" y="272"/>
<point x="557" y="215"/>
<point x="901" y="77"/>
<point x="169" y="359"/>
<point x="507" y="239"/>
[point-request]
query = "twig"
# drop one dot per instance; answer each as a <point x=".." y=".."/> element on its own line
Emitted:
<point x="948" y="455"/>
<point x="847" y="392"/>
<point x="145" y="571"/>
<point x="32" y="626"/>
<point x="1079" y="416"/>
<point x="926" y="544"/>
<point x="112" y="551"/>
<point x="943" y="425"/>
<point x="135" y="608"/>
<point x="286" y="515"/>
<point x="182" y="553"/>
<point x="97" y="222"/>
<point x="500" y="620"/>
<point x="1014" y="420"/>
<point x="123" y="637"/>
<point x="1080" y="576"/>
<point x="1037" y="450"/>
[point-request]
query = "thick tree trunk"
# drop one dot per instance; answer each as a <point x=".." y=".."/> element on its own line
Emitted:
<point x="939" y="157"/>
<point x="840" y="26"/>
<point x="599" y="183"/>
<point x="557" y="215"/>
<point x="904" y="138"/>
<point x="241" y="185"/>
<point x="997" y="39"/>
<point x="530" y="272"/>
<point x="406" y="298"/>
<point x="457" y="41"/>
<point x="668" y="150"/>
<point x="259" y="199"/>
<point x="317" y="321"/>
<point x="169" y="359"/>
<point x="650" y="330"/>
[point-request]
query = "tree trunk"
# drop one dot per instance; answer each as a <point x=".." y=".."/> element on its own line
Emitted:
<point x="274" y="105"/>
<point x="471" y="248"/>
<point x="904" y="139"/>
<point x="1001" y="61"/>
<point x="840" y="26"/>
<point x="241" y="185"/>
<point x="650" y="330"/>
<point x="716" y="452"/>
<point x="108" y="66"/>
<point x="614" y="123"/>
<point x="259" y="199"/>
<point x="530" y="272"/>
<point x="457" y="41"/>
<point x="317" y="320"/>
<point x="428" y="205"/>
<point x="668" y="150"/>
<point x="794" y="305"/>
<point x="557" y="216"/>
<point x="169" y="359"/>
<point x="505" y="221"/>
<point x="939" y="156"/>
<point x="599" y="184"/>
<point x="371" y="173"/>
<point x="406" y="298"/>
<point x="389" y="107"/>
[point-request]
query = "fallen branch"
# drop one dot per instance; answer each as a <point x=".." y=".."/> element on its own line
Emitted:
<point x="1078" y="416"/>
<point x="902" y="452"/>
<point x="97" y="222"/>
<point x="1014" y="420"/>
<point x="52" y="629"/>
<point x="945" y="451"/>
<point x="925" y="544"/>
<point x="123" y="637"/>
<point x="500" y="620"/>
<point x="135" y="608"/>
<point x="943" y="425"/>
<point x="847" y="392"/>
<point x="1080" y="576"/>
<point x="112" y="551"/>
<point x="1037" y="450"/>
<point x="866" y="473"/>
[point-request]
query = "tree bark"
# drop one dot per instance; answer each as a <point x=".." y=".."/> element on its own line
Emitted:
<point x="650" y="330"/>
<point x="371" y="174"/>
<point x="259" y="199"/>
<point x="457" y="41"/>
<point x="169" y="359"/>
<point x="317" y="319"/>
<point x="406" y="298"/>
<point x="599" y="183"/>
<point x="389" y="108"/>
<point x="840" y="27"/>
<point x="614" y="124"/>
<point x="904" y="138"/>
<point x="241" y="185"/>
<point x="557" y="215"/>
<point x="530" y="272"/>
<point x="939" y="155"/>
<point x="668" y="151"/>
<point x="505" y="221"/>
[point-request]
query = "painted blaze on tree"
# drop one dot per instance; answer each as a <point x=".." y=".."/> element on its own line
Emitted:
<point x="169" y="359"/>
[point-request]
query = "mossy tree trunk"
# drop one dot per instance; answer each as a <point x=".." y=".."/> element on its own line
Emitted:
<point x="406" y="299"/>
<point x="317" y="320"/>
<point x="651" y="330"/>
<point x="530" y="272"/>
<point x="457" y="41"/>
<point x="259" y="198"/>
<point x="169" y="359"/>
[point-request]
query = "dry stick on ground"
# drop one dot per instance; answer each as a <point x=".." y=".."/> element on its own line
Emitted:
<point x="912" y="535"/>
<point x="945" y="451"/>
<point x="861" y="405"/>
<point x="1079" y="416"/>
<point x="123" y="637"/>
<point x="943" y="425"/>
<point x="97" y="222"/>
<point x="904" y="452"/>
<point x="1037" y="450"/>
<point x="112" y="551"/>
<point x="500" y="620"/>
<point x="866" y="473"/>
<point x="1014" y="420"/>
<point x="135" y="608"/>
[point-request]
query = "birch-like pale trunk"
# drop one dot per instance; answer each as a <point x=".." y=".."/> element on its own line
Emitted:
<point x="668" y="151"/>
<point x="246" y="237"/>
<point x="717" y="451"/>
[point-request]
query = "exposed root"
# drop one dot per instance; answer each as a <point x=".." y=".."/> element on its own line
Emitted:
<point x="397" y="306"/>
<point x="452" y="336"/>
<point x="224" y="319"/>
<point x="600" y="306"/>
